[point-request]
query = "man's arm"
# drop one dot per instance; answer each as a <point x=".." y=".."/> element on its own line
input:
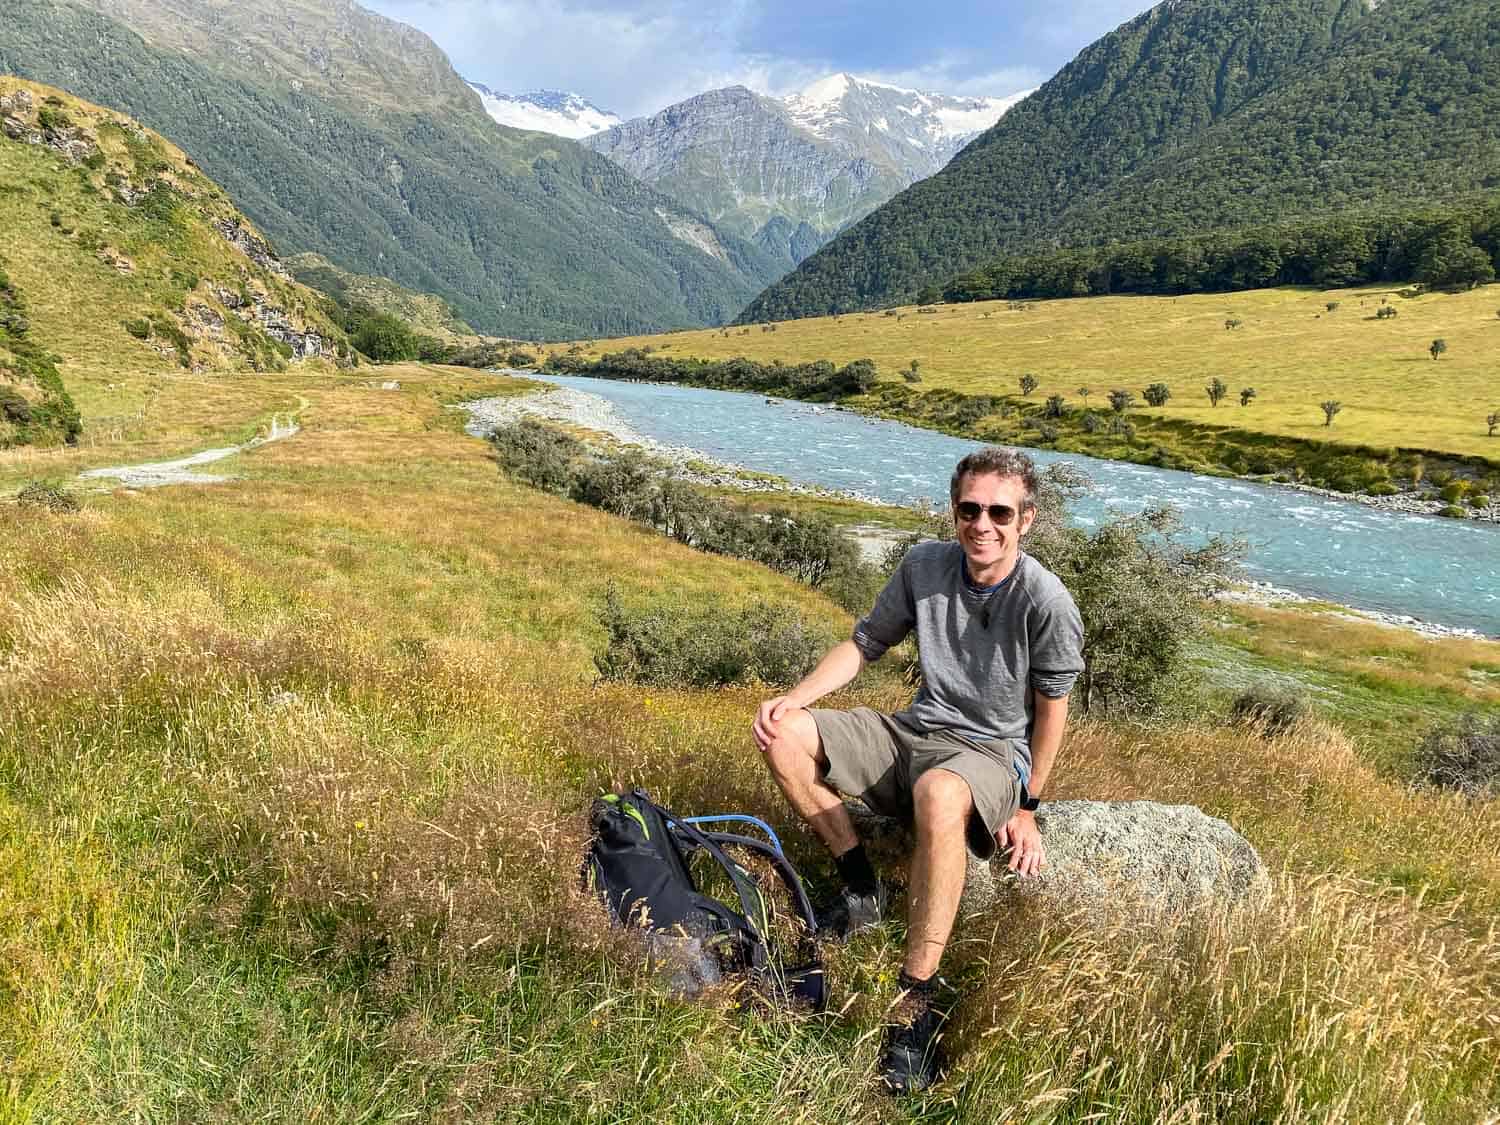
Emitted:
<point x="1049" y="719"/>
<point x="842" y="663"/>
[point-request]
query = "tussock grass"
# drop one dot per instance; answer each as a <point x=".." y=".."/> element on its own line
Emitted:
<point x="292" y="778"/>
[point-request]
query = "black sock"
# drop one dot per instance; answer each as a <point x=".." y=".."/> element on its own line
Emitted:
<point x="856" y="872"/>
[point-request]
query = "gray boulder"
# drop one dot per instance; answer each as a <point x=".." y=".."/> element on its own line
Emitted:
<point x="1107" y="856"/>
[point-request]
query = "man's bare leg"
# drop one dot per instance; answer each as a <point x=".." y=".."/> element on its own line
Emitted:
<point x="796" y="760"/>
<point x="942" y="805"/>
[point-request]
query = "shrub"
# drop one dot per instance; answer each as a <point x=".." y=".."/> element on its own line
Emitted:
<point x="1157" y="394"/>
<point x="707" y="645"/>
<point x="1479" y="500"/>
<point x="140" y="329"/>
<point x="47" y="495"/>
<point x="1464" y="756"/>
<point x="1121" y="401"/>
<point x="1091" y="422"/>
<point x="1271" y="710"/>
<point x="1216" y="391"/>
<point x="1139" y="588"/>
<point x="1383" y="488"/>
<point x="1452" y="511"/>
<point x="1385" y="312"/>
<point x="1054" y="407"/>
<point x="1332" y="306"/>
<point x="1028" y="383"/>
<point x="386" y="339"/>
<point x="536" y="454"/>
<point x="521" y="359"/>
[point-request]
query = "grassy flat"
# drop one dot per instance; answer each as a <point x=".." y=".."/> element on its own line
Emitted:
<point x="1289" y="347"/>
<point x="292" y="774"/>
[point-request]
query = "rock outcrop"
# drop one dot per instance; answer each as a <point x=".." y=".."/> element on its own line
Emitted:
<point x="1104" y="857"/>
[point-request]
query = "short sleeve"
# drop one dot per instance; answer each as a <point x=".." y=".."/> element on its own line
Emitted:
<point x="1056" y="647"/>
<point x="893" y="617"/>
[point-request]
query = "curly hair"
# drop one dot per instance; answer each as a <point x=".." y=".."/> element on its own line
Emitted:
<point x="1001" y="460"/>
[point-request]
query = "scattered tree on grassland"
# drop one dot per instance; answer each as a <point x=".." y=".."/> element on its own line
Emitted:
<point x="1054" y="406"/>
<point x="1385" y="312"/>
<point x="1438" y="347"/>
<point x="1157" y="394"/>
<point x="1330" y="407"/>
<point x="1028" y="383"/>
<point x="1332" y="306"/>
<point x="1246" y="394"/>
<point x="1232" y="323"/>
<point x="1493" y="421"/>
<point x="1121" y="401"/>
<point x="1083" y="393"/>
<point x="1216" y="390"/>
<point x="913" y="373"/>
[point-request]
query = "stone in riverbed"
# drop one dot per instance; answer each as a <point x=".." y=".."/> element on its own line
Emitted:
<point x="1104" y="857"/>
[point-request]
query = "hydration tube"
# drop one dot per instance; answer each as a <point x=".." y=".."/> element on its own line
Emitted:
<point x="740" y="818"/>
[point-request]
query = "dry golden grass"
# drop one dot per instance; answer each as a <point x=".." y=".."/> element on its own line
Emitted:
<point x="1289" y="348"/>
<point x="290" y="776"/>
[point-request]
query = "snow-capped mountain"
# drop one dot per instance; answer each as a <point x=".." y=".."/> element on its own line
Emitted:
<point x="791" y="172"/>
<point x="920" y="129"/>
<point x="546" y="111"/>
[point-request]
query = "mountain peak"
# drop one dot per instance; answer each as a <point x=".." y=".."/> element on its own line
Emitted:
<point x="560" y="112"/>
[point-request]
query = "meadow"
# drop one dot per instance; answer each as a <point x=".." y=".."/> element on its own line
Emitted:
<point x="292" y="780"/>
<point x="1287" y="344"/>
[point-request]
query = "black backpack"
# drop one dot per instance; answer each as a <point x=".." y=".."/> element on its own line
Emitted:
<point x="638" y="863"/>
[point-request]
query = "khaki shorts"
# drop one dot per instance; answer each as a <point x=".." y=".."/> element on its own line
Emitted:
<point x="878" y="759"/>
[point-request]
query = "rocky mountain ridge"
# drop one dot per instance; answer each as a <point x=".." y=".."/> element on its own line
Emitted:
<point x="791" y="172"/>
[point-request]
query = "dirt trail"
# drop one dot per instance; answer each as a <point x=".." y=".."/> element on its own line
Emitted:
<point x="157" y="474"/>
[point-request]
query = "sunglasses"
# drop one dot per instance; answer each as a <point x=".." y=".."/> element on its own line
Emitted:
<point x="1001" y="515"/>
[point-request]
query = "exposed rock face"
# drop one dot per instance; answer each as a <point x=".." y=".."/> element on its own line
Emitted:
<point x="791" y="172"/>
<point x="1107" y="856"/>
<point x="252" y="246"/>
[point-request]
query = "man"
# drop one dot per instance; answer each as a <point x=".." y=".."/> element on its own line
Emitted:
<point x="1000" y="644"/>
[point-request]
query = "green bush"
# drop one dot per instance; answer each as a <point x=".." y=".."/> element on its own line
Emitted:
<point x="539" y="455"/>
<point x="1271" y="710"/>
<point x="1464" y="756"/>
<point x="1479" y="500"/>
<point x="1452" y="511"/>
<point x="386" y="339"/>
<point x="521" y="359"/>
<point x="140" y="329"/>
<point x="706" y="645"/>
<point x="1383" y="488"/>
<point x="48" y="496"/>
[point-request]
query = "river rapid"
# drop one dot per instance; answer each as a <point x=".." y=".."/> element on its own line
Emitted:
<point x="1394" y="564"/>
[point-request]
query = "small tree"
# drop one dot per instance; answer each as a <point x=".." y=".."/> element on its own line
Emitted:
<point x="1493" y="421"/>
<point x="1028" y="383"/>
<point x="1246" y="394"/>
<point x="1121" y="401"/>
<point x="1332" y="306"/>
<point x="913" y="374"/>
<point x="1055" y="406"/>
<point x="1385" y="312"/>
<point x="1232" y="323"/>
<point x="1330" y="408"/>
<point x="1216" y="390"/>
<point x="1157" y="394"/>
<point x="1083" y="393"/>
<point x="1438" y="347"/>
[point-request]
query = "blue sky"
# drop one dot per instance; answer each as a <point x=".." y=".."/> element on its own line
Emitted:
<point x="636" y="57"/>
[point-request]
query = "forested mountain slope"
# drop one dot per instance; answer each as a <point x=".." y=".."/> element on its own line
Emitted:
<point x="1199" y="114"/>
<point x="348" y="135"/>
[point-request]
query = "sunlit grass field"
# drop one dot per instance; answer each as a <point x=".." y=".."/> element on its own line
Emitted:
<point x="291" y="780"/>
<point x="1288" y="346"/>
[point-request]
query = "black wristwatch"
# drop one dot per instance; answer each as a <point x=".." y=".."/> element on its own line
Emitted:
<point x="1028" y="802"/>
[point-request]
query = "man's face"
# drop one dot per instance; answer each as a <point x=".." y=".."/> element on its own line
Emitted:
<point x="988" y="543"/>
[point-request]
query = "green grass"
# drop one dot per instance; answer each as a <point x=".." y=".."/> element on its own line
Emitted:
<point x="291" y="780"/>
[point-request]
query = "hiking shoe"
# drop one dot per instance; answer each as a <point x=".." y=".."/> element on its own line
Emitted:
<point x="847" y="913"/>
<point x="912" y="1059"/>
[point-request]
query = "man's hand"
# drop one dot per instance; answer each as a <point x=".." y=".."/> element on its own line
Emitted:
<point x="767" y="719"/>
<point x="1021" y="835"/>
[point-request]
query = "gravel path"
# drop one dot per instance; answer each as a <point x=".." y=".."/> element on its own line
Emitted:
<point x="157" y="474"/>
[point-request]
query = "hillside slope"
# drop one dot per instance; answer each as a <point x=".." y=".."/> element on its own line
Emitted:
<point x="1196" y="115"/>
<point x="120" y="255"/>
<point x="344" y="134"/>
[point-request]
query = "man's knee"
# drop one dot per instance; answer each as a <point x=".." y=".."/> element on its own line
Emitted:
<point x="794" y="743"/>
<point x="941" y="798"/>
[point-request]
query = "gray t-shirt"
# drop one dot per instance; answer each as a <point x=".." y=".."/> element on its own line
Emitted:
<point x="979" y="655"/>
